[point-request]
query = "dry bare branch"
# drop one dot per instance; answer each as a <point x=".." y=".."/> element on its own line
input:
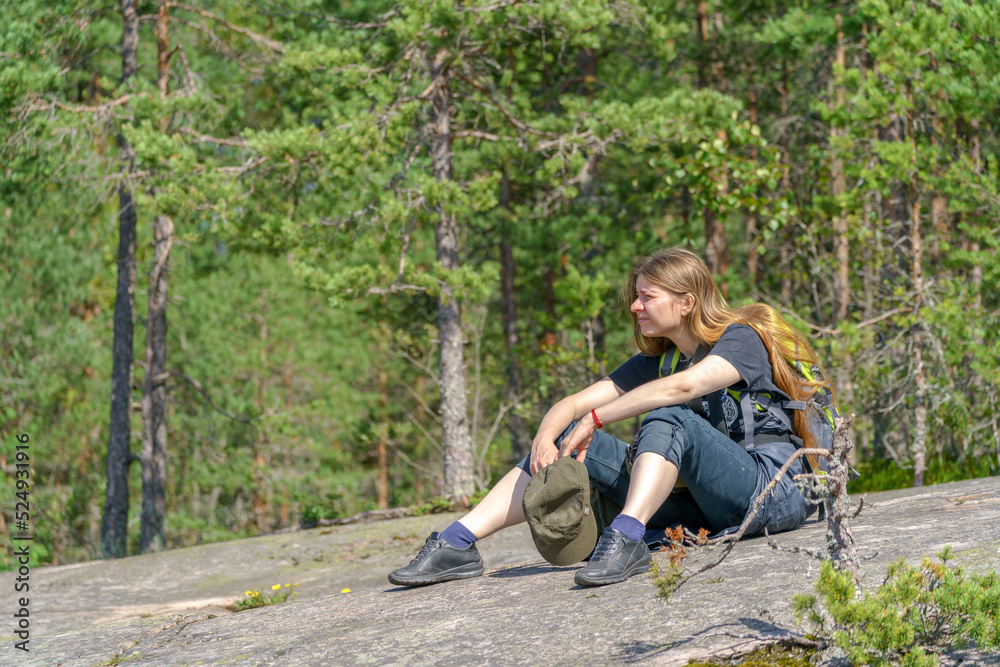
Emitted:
<point x="395" y="288"/>
<point x="201" y="390"/>
<point x="865" y="323"/>
<point x="99" y="110"/>
<point x="476" y="134"/>
<point x="259" y="40"/>
<point x="216" y="41"/>
<point x="731" y="539"/>
<point x="228" y="141"/>
<point x="519" y="124"/>
<point x="239" y="171"/>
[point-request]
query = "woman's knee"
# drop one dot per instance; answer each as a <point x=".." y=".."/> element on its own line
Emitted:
<point x="675" y="415"/>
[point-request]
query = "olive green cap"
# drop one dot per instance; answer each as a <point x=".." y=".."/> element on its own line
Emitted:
<point x="557" y="507"/>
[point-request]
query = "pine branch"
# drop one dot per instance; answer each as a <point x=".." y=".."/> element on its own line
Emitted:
<point x="395" y="288"/>
<point x="204" y="392"/>
<point x="237" y="141"/>
<point x="351" y="25"/>
<point x="239" y="171"/>
<point x="731" y="539"/>
<point x="476" y="134"/>
<point x="188" y="75"/>
<point x="504" y="4"/>
<point x="519" y="124"/>
<point x="259" y="40"/>
<point x="216" y="41"/>
<point x="381" y="21"/>
<point x="98" y="109"/>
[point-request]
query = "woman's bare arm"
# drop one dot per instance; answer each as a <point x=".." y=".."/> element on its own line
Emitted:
<point x="709" y="375"/>
<point x="562" y="414"/>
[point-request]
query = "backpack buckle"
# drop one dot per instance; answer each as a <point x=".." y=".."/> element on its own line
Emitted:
<point x="762" y="407"/>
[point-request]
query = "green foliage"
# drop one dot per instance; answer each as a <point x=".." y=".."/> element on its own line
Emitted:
<point x="121" y="657"/>
<point x="883" y="474"/>
<point x="771" y="655"/>
<point x="435" y="506"/>
<point x="665" y="577"/>
<point x="252" y="599"/>
<point x="915" y="612"/>
<point x="584" y="134"/>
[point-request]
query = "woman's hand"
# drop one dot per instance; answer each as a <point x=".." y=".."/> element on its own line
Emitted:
<point x="543" y="453"/>
<point x="579" y="438"/>
<point x="562" y="414"/>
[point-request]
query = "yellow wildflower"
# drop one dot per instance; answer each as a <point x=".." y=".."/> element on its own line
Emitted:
<point x="275" y="587"/>
<point x="346" y="590"/>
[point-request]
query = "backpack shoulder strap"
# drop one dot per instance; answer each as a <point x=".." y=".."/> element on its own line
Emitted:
<point x="716" y="415"/>
<point x="675" y="359"/>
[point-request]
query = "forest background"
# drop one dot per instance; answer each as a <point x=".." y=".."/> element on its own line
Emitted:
<point x="270" y="262"/>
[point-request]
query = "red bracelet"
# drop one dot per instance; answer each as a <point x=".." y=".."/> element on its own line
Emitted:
<point x="597" y="421"/>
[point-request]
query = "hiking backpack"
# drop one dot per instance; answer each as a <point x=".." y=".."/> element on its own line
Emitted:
<point x="820" y="412"/>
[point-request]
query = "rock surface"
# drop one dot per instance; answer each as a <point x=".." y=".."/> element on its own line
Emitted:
<point x="169" y="608"/>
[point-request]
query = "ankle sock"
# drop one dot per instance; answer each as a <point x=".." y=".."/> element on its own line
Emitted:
<point x="633" y="528"/>
<point x="458" y="535"/>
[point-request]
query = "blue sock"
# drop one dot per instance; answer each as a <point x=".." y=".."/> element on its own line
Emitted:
<point x="633" y="528"/>
<point x="458" y="535"/>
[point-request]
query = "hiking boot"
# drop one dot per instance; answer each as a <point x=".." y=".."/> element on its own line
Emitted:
<point x="616" y="558"/>
<point x="439" y="561"/>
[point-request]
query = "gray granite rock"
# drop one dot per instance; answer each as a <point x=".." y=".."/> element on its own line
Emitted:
<point x="169" y="608"/>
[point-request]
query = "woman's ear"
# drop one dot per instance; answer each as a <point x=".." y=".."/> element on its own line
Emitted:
<point x="687" y="304"/>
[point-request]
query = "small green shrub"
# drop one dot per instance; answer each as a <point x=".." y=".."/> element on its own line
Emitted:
<point x="254" y="598"/>
<point x="311" y="511"/>
<point x="884" y="474"/>
<point x="434" y="506"/>
<point x="914" y="613"/>
<point x="772" y="655"/>
<point x="667" y="572"/>
<point x="665" y="578"/>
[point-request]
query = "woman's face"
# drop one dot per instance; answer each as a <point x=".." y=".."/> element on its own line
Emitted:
<point x="660" y="312"/>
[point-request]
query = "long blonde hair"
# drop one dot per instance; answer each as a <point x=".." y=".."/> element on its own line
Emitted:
<point x="683" y="272"/>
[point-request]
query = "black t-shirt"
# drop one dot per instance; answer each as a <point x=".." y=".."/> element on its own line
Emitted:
<point x="739" y="345"/>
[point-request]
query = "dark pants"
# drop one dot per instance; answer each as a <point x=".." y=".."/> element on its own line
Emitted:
<point x="720" y="475"/>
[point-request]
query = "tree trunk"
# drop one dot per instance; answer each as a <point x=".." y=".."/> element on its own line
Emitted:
<point x="839" y="537"/>
<point x="456" y="440"/>
<point x="784" y="255"/>
<point x="162" y="48"/>
<point x="153" y="533"/>
<point x="939" y="203"/>
<point x="838" y="188"/>
<point x="261" y="495"/>
<point x="753" y="270"/>
<point x="920" y="379"/>
<point x="871" y="207"/>
<point x="153" y="530"/>
<point x="383" y="436"/>
<point x="975" y="151"/>
<point x="704" y="44"/>
<point x="520" y="433"/>
<point x="839" y="185"/>
<point x="715" y="238"/>
<point x="716" y="253"/>
<point x="595" y="332"/>
<point x="114" y="525"/>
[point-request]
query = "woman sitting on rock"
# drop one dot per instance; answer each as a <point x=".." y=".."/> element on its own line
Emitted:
<point x="693" y="350"/>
